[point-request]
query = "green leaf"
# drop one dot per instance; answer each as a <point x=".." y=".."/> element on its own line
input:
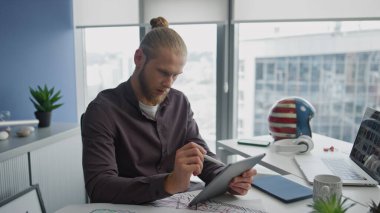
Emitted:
<point x="44" y="98"/>
<point x="332" y="205"/>
<point x="373" y="207"/>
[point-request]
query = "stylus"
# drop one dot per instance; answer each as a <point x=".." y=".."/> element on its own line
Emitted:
<point x="212" y="160"/>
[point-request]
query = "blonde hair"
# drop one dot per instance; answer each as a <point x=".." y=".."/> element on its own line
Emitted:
<point x="159" y="22"/>
<point x="161" y="36"/>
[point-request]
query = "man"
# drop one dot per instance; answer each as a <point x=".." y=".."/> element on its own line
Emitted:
<point x="140" y="141"/>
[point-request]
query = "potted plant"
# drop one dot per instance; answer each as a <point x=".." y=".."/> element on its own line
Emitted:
<point x="44" y="100"/>
<point x="374" y="208"/>
<point x="331" y="205"/>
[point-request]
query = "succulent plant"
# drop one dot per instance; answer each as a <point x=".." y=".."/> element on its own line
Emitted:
<point x="44" y="99"/>
<point x="332" y="205"/>
<point x="374" y="208"/>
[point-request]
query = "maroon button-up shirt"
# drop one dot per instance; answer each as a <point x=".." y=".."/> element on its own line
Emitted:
<point x="126" y="156"/>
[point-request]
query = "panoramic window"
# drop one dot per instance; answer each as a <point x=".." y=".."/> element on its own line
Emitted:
<point x="198" y="80"/>
<point x="333" y="65"/>
<point x="109" y="62"/>
<point x="109" y="57"/>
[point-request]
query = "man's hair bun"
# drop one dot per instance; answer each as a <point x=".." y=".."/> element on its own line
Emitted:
<point x="159" y="22"/>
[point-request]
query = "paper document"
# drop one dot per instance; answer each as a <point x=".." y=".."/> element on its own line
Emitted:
<point x="111" y="211"/>
<point x="223" y="203"/>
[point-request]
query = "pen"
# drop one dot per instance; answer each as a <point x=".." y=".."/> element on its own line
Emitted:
<point x="212" y="160"/>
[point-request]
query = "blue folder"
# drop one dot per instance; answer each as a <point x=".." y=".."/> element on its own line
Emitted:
<point x="282" y="188"/>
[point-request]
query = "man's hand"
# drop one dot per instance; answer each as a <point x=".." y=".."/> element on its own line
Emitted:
<point x="241" y="184"/>
<point x="188" y="161"/>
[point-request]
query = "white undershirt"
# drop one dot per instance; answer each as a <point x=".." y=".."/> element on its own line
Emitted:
<point x="149" y="111"/>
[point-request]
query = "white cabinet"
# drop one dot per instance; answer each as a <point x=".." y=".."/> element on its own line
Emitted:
<point x="14" y="176"/>
<point x="57" y="169"/>
<point x="52" y="158"/>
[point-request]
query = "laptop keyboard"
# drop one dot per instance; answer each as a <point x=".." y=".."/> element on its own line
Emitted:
<point x="342" y="169"/>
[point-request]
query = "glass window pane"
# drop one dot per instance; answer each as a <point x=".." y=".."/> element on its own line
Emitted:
<point x="326" y="65"/>
<point x="109" y="62"/>
<point x="198" y="80"/>
<point x="109" y="57"/>
<point x="259" y="71"/>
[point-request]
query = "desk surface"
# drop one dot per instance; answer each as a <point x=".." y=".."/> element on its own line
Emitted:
<point x="285" y="164"/>
<point x="15" y="146"/>
<point x="270" y="204"/>
<point x="282" y="164"/>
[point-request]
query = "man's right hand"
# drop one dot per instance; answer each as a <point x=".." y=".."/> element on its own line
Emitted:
<point x="188" y="161"/>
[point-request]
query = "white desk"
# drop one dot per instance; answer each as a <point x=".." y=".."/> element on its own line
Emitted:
<point x="273" y="164"/>
<point x="274" y="205"/>
<point x="284" y="163"/>
<point x="270" y="204"/>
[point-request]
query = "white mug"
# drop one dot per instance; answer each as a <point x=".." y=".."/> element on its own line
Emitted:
<point x="325" y="186"/>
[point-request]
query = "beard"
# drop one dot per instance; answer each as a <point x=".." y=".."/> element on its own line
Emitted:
<point x="148" y="91"/>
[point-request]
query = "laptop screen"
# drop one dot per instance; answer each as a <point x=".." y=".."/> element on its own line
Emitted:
<point x="366" y="148"/>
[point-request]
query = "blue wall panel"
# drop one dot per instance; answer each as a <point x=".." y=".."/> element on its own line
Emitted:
<point x="36" y="48"/>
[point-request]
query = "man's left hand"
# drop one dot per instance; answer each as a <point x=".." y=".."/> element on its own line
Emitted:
<point x="241" y="184"/>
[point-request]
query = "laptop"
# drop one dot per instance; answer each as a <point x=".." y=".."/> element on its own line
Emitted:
<point x="361" y="168"/>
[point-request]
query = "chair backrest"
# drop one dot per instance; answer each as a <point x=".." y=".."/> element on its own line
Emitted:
<point x="81" y="127"/>
<point x="81" y="121"/>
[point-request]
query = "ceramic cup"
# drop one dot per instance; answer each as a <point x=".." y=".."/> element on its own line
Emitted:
<point x="325" y="186"/>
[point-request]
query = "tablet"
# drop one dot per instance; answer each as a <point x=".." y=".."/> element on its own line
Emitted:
<point x="282" y="188"/>
<point x="219" y="184"/>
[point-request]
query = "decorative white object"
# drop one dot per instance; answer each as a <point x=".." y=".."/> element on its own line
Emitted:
<point x="31" y="128"/>
<point x="3" y="135"/>
<point x="23" y="132"/>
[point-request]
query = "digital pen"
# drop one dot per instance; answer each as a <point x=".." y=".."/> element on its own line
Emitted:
<point x="206" y="157"/>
